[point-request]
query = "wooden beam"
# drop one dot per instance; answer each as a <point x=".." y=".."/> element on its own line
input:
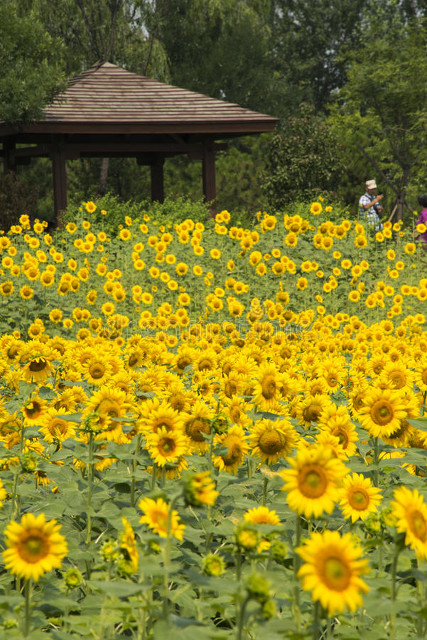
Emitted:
<point x="208" y="170"/>
<point x="59" y="180"/>
<point x="157" y="180"/>
<point x="219" y="128"/>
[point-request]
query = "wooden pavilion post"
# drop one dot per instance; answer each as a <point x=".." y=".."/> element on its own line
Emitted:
<point x="208" y="169"/>
<point x="9" y="163"/>
<point x="157" y="179"/>
<point x="59" y="179"/>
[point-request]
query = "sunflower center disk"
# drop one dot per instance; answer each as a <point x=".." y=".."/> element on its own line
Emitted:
<point x="312" y="482"/>
<point x="167" y="445"/>
<point x="359" y="500"/>
<point x="196" y="428"/>
<point x="271" y="443"/>
<point x="233" y="455"/>
<point x="268" y="387"/>
<point x="97" y="371"/>
<point x="336" y="574"/>
<point x="381" y="413"/>
<point x="418" y="526"/>
<point x="33" y="547"/>
<point x="38" y="365"/>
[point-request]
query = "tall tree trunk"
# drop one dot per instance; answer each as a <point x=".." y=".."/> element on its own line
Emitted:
<point x="103" y="176"/>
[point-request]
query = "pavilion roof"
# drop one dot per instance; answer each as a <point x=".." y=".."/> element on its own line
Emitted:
<point x="109" y="99"/>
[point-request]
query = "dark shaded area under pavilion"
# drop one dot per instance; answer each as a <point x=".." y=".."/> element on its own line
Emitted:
<point x="110" y="112"/>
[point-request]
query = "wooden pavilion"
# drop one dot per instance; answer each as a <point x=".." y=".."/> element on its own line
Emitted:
<point x="110" y="112"/>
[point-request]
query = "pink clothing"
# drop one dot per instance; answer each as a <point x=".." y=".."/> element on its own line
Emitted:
<point x="423" y="220"/>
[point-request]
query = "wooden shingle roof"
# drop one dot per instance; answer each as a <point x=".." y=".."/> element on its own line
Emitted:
<point x="107" y="98"/>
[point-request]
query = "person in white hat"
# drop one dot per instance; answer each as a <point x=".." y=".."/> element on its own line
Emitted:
<point x="369" y="209"/>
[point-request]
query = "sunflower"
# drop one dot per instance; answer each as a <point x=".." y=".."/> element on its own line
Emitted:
<point x="156" y="516"/>
<point x="130" y="557"/>
<point x="235" y="443"/>
<point x="55" y="427"/>
<point x="110" y="404"/>
<point x="199" y="489"/>
<point x="313" y="482"/>
<point x="261" y="515"/>
<point x="359" y="498"/>
<point x="155" y="416"/>
<point x="332" y="570"/>
<point x="266" y="389"/>
<point x="166" y="446"/>
<point x="316" y="208"/>
<point x="197" y="425"/>
<point x="34" y="546"/>
<point x="272" y="440"/>
<point x="37" y="369"/>
<point x="410" y="512"/>
<point x="382" y="411"/>
<point x="336" y="421"/>
<point x="97" y="370"/>
<point x="34" y="411"/>
<point x="310" y="408"/>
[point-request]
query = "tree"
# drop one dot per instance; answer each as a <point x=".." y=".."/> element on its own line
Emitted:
<point x="222" y="48"/>
<point x="380" y="112"/>
<point x="303" y="160"/>
<point x="311" y="41"/>
<point x="31" y="63"/>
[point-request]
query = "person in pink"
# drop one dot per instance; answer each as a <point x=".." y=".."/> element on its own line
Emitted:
<point x="422" y="201"/>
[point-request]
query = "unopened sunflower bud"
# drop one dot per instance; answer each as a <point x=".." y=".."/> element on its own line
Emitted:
<point x="73" y="578"/>
<point x="247" y="538"/>
<point x="220" y="424"/>
<point x="29" y="462"/>
<point x="9" y="623"/>
<point x="199" y="490"/>
<point x="213" y="565"/>
<point x="258" y="588"/>
<point x="387" y="517"/>
<point x="279" y="550"/>
<point x="269" y="609"/>
<point x="109" y="550"/>
<point x="373" y="523"/>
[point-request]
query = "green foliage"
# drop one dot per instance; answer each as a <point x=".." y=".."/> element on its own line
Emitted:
<point x="303" y="160"/>
<point x="379" y="114"/>
<point x="31" y="64"/>
<point x="171" y="211"/>
<point x="227" y="52"/>
<point x="16" y="197"/>
<point x="311" y="42"/>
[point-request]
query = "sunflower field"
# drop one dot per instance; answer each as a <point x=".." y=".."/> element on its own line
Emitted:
<point x="213" y="432"/>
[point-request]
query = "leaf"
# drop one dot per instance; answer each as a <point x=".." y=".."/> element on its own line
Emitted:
<point x="119" y="589"/>
<point x="419" y="423"/>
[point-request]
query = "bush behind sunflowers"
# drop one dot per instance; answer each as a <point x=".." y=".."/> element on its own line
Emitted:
<point x="210" y="431"/>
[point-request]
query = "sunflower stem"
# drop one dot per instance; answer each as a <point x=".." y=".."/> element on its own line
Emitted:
<point x="166" y="560"/>
<point x="134" y="467"/>
<point x="316" y="620"/>
<point x="241" y="619"/>
<point x="89" y="489"/>
<point x="238" y="564"/>
<point x="16" y="501"/>
<point x="329" y="628"/>
<point x="264" y="491"/>
<point x="211" y="446"/>
<point x="397" y="550"/>
<point x="376" y="457"/>
<point x="420" y="603"/>
<point x="27" y="590"/>
<point x="153" y="477"/>
<point x="296" y="569"/>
